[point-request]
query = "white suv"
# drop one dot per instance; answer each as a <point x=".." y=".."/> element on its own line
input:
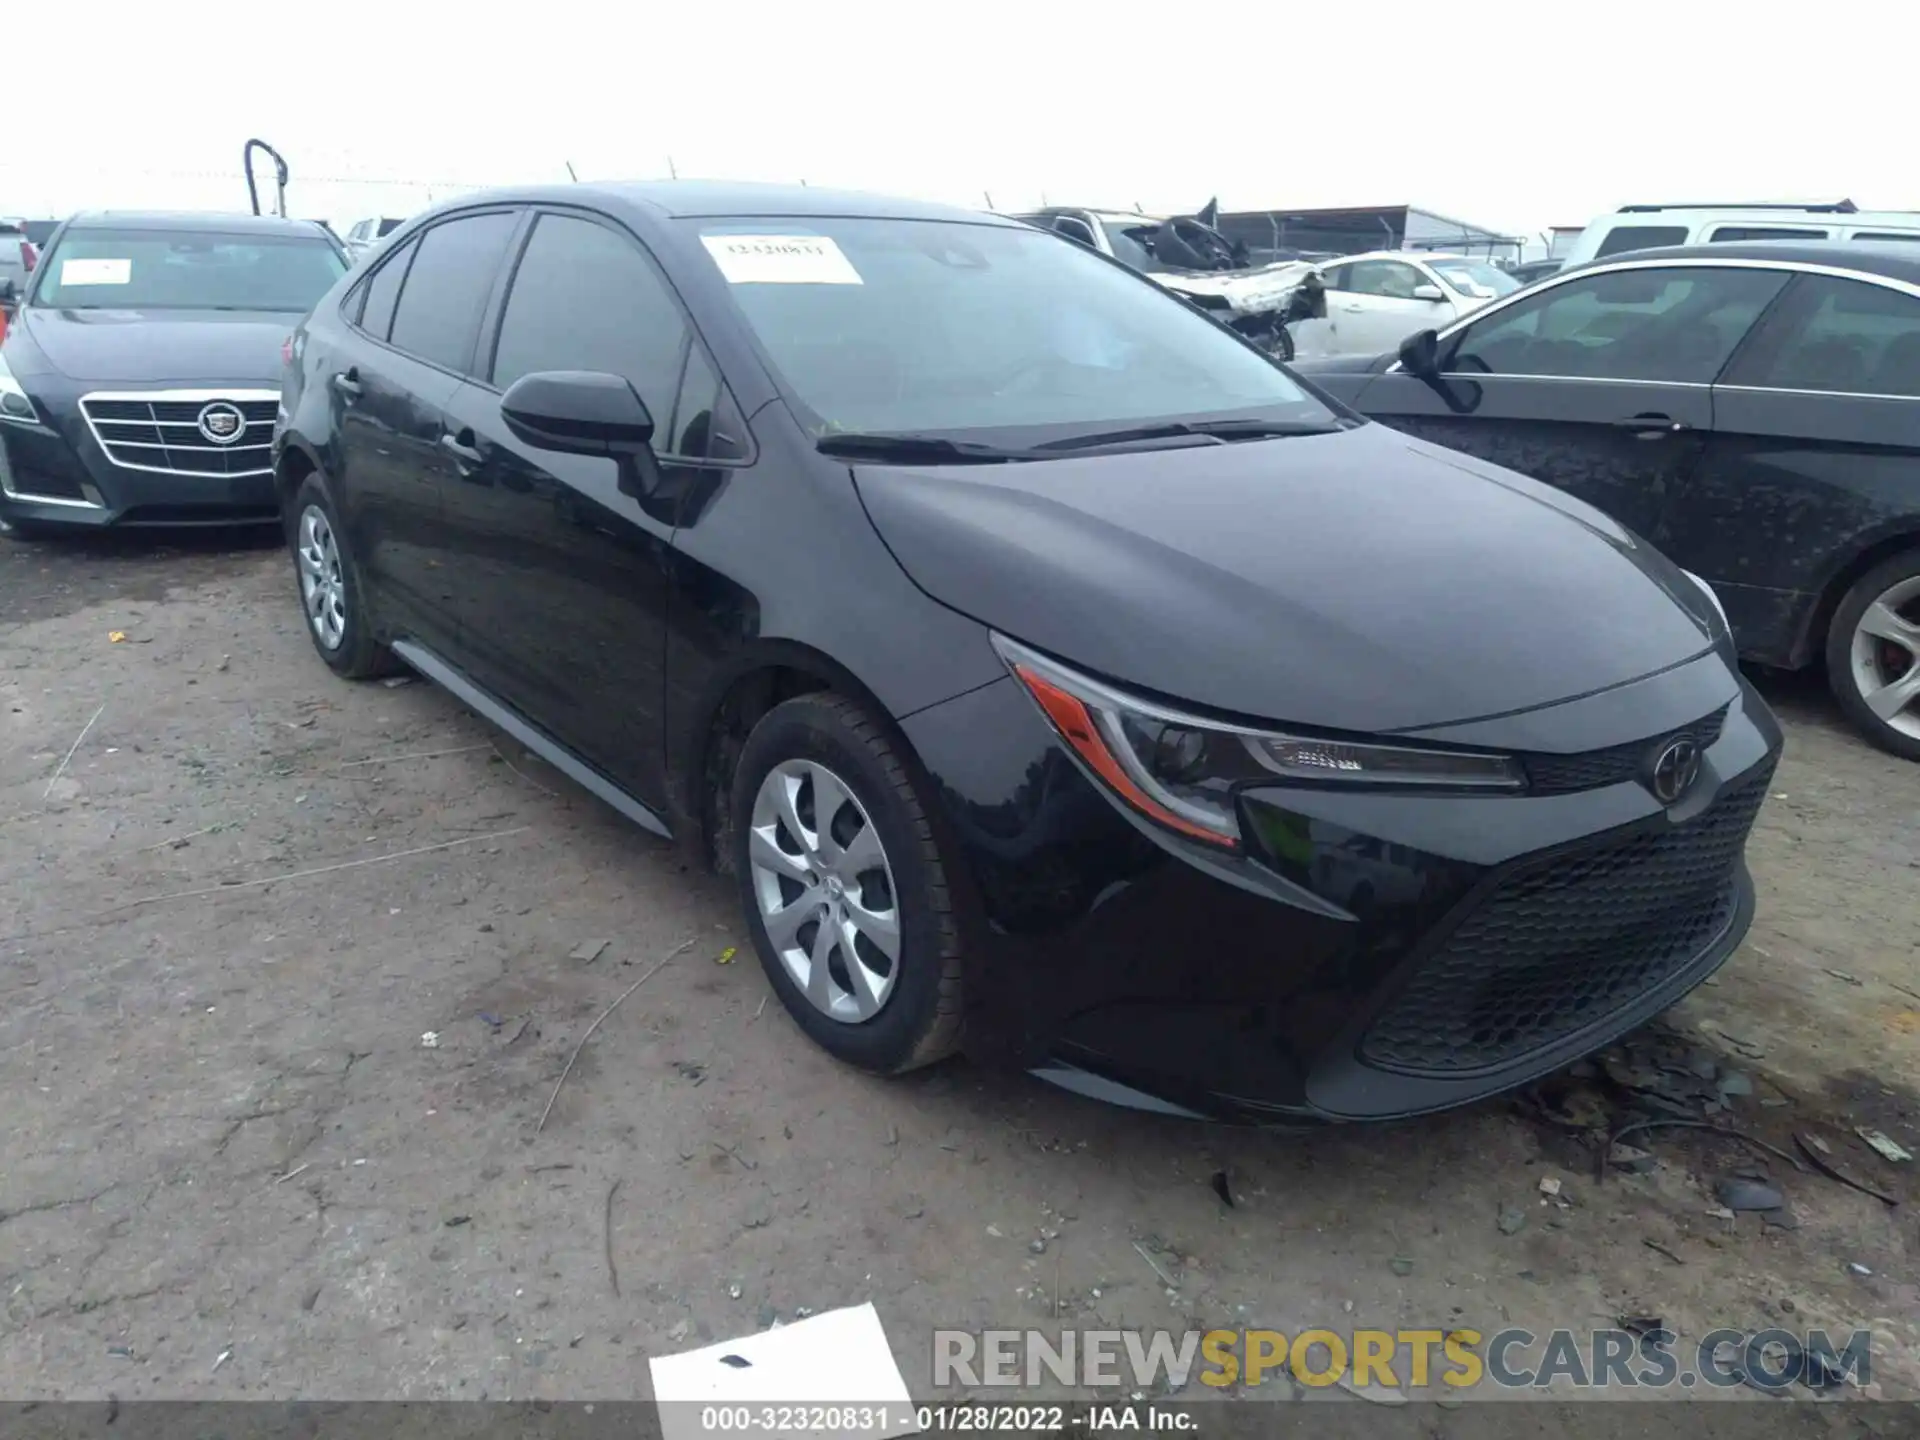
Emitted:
<point x="1647" y="227"/>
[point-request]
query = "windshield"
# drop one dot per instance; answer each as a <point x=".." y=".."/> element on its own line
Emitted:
<point x="181" y="270"/>
<point x="1475" y="277"/>
<point x="943" y="327"/>
<point x="1128" y="241"/>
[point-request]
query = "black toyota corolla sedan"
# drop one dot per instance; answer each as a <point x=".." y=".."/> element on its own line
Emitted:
<point x="1061" y="679"/>
<point x="1752" y="409"/>
<point x="140" y="376"/>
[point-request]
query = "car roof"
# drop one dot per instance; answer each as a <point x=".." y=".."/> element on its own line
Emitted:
<point x="205" y="222"/>
<point x="720" y="199"/>
<point x="1895" y="259"/>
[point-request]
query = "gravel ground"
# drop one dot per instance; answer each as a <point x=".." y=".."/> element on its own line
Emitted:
<point x="285" y="987"/>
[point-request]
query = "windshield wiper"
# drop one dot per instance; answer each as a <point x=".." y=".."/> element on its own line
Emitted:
<point x="911" y="449"/>
<point x="1221" y="430"/>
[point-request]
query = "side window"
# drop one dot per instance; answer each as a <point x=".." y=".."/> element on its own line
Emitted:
<point x="1390" y="279"/>
<point x="706" y="425"/>
<point x="1882" y="237"/>
<point x="381" y="289"/>
<point x="586" y="298"/>
<point x="1840" y="336"/>
<point x="1075" y="229"/>
<point x="1639" y="237"/>
<point x="1725" y="233"/>
<point x="1672" y="324"/>
<point x="1338" y="277"/>
<point x="438" y="317"/>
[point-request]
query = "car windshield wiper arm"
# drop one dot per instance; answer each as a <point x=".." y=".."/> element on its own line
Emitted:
<point x="911" y="449"/>
<point x="1222" y="430"/>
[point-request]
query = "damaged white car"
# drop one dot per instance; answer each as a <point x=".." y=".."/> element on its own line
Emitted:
<point x="1188" y="256"/>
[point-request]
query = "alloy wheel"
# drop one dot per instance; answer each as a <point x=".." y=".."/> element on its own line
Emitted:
<point x="1886" y="657"/>
<point x="321" y="585"/>
<point x="825" y="890"/>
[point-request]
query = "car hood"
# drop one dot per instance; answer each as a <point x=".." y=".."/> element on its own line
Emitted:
<point x="1341" y="364"/>
<point x="1359" y="581"/>
<point x="154" y="346"/>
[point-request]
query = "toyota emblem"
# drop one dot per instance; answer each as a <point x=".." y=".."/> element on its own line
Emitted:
<point x="222" y="423"/>
<point x="1674" y="770"/>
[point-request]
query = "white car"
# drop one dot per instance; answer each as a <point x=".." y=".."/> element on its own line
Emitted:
<point x="367" y="234"/>
<point x="1375" y="301"/>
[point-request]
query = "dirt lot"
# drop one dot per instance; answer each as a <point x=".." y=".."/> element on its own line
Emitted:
<point x="234" y="1164"/>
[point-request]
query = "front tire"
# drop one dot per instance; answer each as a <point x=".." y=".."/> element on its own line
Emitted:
<point x="1873" y="654"/>
<point x="844" y="888"/>
<point x="332" y="597"/>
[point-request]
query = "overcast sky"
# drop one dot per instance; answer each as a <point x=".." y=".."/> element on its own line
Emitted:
<point x="1512" y="116"/>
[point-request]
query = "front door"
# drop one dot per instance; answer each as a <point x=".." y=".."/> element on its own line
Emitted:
<point x="1815" y="454"/>
<point x="1375" y="307"/>
<point x="1600" y="385"/>
<point x="562" y="560"/>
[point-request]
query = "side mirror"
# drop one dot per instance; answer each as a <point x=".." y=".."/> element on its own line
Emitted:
<point x="1420" y="353"/>
<point x="1431" y="293"/>
<point x="9" y="292"/>
<point x="578" y="412"/>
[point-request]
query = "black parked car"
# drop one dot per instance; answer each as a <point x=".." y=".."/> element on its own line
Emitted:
<point x="1059" y="677"/>
<point x="141" y="372"/>
<point x="1753" y="410"/>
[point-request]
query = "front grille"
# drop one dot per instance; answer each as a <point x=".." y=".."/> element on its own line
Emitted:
<point x="1560" y="774"/>
<point x="164" y="435"/>
<point x="1563" y="943"/>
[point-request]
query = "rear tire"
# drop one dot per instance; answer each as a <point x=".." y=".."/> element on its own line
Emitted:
<point x="332" y="597"/>
<point x="1873" y="654"/>
<point x="835" y="886"/>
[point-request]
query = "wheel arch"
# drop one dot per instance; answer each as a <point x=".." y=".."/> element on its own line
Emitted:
<point x="1811" y="643"/>
<point x="717" y="722"/>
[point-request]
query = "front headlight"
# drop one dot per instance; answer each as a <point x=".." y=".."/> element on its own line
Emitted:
<point x="14" y="404"/>
<point x="1182" y="770"/>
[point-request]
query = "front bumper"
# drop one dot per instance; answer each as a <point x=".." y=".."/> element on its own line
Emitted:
<point x="57" y="472"/>
<point x="1374" y="955"/>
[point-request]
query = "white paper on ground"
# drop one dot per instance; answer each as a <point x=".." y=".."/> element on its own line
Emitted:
<point x="781" y="260"/>
<point x="96" y="272"/>
<point x="839" y="1359"/>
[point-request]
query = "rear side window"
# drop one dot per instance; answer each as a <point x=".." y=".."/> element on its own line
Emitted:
<point x="1623" y="238"/>
<point x="1674" y="324"/>
<point x="1881" y="237"/>
<point x="586" y="298"/>
<point x="381" y="289"/>
<point x="1841" y="337"/>
<point x="438" y="317"/>
<point x="1725" y="233"/>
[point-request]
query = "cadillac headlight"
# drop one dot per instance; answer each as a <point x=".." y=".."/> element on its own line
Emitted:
<point x="14" y="403"/>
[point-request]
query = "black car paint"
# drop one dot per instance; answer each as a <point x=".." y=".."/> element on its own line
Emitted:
<point x="58" y="355"/>
<point x="1778" y="499"/>
<point x="621" y="625"/>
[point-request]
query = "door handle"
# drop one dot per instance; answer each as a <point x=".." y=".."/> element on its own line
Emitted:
<point x="1354" y="309"/>
<point x="467" y="454"/>
<point x="1652" y="427"/>
<point x="347" y="382"/>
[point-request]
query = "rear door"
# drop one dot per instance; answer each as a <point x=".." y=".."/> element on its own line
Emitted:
<point x="562" y="567"/>
<point x="1815" y="454"/>
<point x="417" y="317"/>
<point x="1599" y="384"/>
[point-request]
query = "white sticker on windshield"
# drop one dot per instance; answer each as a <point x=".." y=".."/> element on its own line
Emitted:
<point x="96" y="272"/>
<point x="780" y="260"/>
